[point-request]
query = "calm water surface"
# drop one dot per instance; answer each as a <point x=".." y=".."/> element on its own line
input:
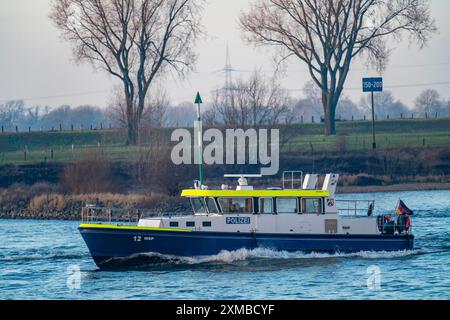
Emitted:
<point x="39" y="259"/>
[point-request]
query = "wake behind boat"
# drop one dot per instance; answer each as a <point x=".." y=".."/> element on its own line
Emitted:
<point x="299" y="216"/>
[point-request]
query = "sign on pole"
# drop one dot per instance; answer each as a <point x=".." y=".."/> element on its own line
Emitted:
<point x="373" y="85"/>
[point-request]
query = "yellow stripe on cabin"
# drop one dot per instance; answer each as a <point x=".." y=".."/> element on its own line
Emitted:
<point x="254" y="193"/>
<point x="132" y="228"/>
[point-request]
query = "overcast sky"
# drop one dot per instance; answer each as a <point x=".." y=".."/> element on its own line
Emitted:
<point x="37" y="66"/>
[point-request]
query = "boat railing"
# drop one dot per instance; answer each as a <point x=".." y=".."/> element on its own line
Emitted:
<point x="356" y="208"/>
<point x="93" y="214"/>
<point x="292" y="180"/>
<point x="165" y="214"/>
<point x="110" y="215"/>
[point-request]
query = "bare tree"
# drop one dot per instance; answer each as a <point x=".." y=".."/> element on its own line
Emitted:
<point x="429" y="101"/>
<point x="254" y="102"/>
<point x="34" y="115"/>
<point x="385" y="105"/>
<point x="156" y="110"/>
<point x="81" y="116"/>
<point x="12" y="113"/>
<point x="210" y="117"/>
<point x="134" y="40"/>
<point x="348" y="110"/>
<point x="309" y="107"/>
<point x="328" y="34"/>
<point x="117" y="108"/>
<point x="313" y="94"/>
<point x="182" y="114"/>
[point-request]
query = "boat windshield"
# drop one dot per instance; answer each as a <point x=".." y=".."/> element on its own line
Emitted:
<point x="211" y="204"/>
<point x="198" y="205"/>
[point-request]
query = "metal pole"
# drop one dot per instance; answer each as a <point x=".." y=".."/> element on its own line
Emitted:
<point x="200" y="145"/>
<point x="374" y="144"/>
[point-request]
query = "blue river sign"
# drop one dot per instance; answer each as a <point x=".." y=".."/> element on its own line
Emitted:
<point x="372" y="84"/>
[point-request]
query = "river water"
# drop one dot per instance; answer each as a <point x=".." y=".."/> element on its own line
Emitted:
<point x="49" y="260"/>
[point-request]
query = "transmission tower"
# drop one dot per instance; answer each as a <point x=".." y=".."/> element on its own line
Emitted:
<point x="228" y="70"/>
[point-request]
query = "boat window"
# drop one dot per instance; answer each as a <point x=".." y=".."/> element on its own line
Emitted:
<point x="174" y="224"/>
<point x="265" y="205"/>
<point x="198" y="205"/>
<point x="207" y="223"/>
<point x="211" y="204"/>
<point x="287" y="205"/>
<point x="236" y="205"/>
<point x="312" y="205"/>
<point x="190" y="224"/>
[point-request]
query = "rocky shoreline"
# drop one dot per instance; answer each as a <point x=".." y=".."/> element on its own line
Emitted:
<point x="42" y="215"/>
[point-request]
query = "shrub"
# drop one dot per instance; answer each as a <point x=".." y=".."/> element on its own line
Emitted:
<point x="47" y="202"/>
<point x="90" y="175"/>
<point x="341" y="143"/>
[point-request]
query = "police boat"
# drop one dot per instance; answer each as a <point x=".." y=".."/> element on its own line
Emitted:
<point x="300" y="216"/>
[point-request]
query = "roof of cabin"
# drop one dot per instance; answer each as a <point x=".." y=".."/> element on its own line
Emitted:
<point x="254" y="193"/>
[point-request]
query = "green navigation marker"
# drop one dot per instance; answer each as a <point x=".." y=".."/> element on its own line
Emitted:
<point x="198" y="102"/>
<point x="198" y="99"/>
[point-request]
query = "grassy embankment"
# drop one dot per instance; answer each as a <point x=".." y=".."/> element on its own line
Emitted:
<point x="22" y="148"/>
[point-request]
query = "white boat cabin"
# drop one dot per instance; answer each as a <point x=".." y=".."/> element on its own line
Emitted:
<point x="287" y="210"/>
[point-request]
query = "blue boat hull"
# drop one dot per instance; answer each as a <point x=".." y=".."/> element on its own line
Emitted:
<point x="109" y="246"/>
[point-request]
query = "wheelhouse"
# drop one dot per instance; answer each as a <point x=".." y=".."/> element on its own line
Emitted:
<point x="205" y="202"/>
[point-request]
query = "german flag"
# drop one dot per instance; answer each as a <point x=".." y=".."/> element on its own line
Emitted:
<point x="402" y="209"/>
